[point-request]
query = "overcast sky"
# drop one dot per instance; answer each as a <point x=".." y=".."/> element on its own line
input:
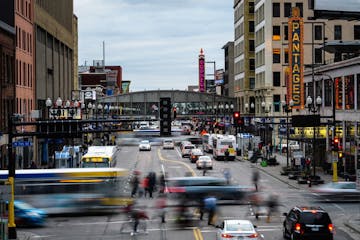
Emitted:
<point x="156" y="42"/>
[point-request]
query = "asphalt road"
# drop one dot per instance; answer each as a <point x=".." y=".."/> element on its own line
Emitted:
<point x="108" y="226"/>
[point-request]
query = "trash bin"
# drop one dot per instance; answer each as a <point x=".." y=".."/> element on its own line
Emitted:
<point x="264" y="163"/>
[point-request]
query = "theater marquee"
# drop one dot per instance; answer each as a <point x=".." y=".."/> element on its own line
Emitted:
<point x="296" y="59"/>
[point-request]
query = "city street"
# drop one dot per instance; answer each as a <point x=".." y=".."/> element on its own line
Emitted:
<point x="108" y="226"/>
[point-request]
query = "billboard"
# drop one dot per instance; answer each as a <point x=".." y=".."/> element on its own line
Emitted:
<point x="219" y="77"/>
<point x="296" y="59"/>
<point x="335" y="9"/>
<point x="201" y="71"/>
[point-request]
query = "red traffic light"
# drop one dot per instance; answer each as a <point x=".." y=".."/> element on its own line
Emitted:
<point x="336" y="140"/>
<point x="236" y="115"/>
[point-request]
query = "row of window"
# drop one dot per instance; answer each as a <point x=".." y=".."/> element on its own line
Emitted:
<point x="239" y="11"/>
<point x="287" y="9"/>
<point x="24" y="40"/>
<point x="318" y="32"/>
<point x="23" y="105"/>
<point x="23" y="7"/>
<point x="318" y="55"/>
<point x="7" y="69"/>
<point x="24" y="73"/>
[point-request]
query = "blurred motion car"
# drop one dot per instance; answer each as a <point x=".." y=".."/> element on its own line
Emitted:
<point x="338" y="191"/>
<point x="196" y="188"/>
<point x="28" y="216"/>
<point x="185" y="152"/>
<point x="311" y="223"/>
<point x="195" y="154"/>
<point x="144" y="145"/>
<point x="204" y="162"/>
<point x="237" y="229"/>
<point x="168" y="144"/>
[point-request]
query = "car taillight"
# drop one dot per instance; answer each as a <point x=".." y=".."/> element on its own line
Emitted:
<point x="225" y="235"/>
<point x="255" y="235"/>
<point x="297" y="227"/>
<point x="174" y="190"/>
<point x="331" y="227"/>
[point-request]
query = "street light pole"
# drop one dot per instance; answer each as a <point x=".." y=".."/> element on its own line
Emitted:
<point x="313" y="107"/>
<point x="287" y="108"/>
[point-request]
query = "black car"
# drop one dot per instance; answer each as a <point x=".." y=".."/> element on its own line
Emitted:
<point x="308" y="223"/>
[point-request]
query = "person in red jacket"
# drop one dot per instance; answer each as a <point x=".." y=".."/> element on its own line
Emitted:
<point x="145" y="185"/>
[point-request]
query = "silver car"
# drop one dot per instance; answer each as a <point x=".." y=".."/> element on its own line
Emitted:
<point x="338" y="191"/>
<point x="239" y="230"/>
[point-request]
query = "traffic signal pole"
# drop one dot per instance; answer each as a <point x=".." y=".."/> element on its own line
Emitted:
<point x="11" y="166"/>
<point x="334" y="160"/>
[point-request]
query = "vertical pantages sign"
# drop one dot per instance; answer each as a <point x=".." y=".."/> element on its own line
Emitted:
<point x="296" y="59"/>
<point x="201" y="71"/>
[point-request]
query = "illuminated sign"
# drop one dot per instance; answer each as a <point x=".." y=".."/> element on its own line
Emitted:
<point x="296" y="60"/>
<point x="201" y="71"/>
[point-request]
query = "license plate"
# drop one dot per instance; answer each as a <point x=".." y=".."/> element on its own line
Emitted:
<point x="315" y="229"/>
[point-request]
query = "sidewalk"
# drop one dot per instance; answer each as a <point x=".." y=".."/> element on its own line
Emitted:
<point x="352" y="223"/>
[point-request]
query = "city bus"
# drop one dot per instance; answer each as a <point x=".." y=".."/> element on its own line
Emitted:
<point x="99" y="156"/>
<point x="221" y="143"/>
<point x="72" y="190"/>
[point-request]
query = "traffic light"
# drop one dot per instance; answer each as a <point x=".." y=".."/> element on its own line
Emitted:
<point x="340" y="155"/>
<point x="236" y="115"/>
<point x="335" y="144"/>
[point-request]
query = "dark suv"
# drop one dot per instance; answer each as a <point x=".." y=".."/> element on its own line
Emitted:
<point x="308" y="223"/>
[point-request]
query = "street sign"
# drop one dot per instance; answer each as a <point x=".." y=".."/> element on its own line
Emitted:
<point x="22" y="144"/>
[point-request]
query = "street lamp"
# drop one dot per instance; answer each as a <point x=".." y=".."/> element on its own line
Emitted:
<point x="48" y="104"/>
<point x="58" y="105"/>
<point x="287" y="108"/>
<point x="313" y="107"/>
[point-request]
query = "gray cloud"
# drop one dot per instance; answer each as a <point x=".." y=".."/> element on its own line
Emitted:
<point x="157" y="42"/>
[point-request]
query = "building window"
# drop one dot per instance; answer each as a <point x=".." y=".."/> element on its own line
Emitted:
<point x="300" y="6"/>
<point x="251" y="45"/>
<point x="251" y="8"/>
<point x="276" y="103"/>
<point x="287" y="10"/>
<point x="349" y="92"/>
<point x="318" y="55"/>
<point x="337" y="32"/>
<point x="286" y="32"/>
<point x="276" y="55"/>
<point x="276" y="33"/>
<point x="251" y="26"/>
<point x="328" y="93"/>
<point x="286" y="55"/>
<point x="356" y="32"/>
<point x="337" y="57"/>
<point x="252" y="83"/>
<point x="318" y="32"/>
<point x="276" y="9"/>
<point x="276" y="79"/>
<point x="252" y="64"/>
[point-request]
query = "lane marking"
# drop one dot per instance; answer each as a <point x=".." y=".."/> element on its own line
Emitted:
<point x="197" y="234"/>
<point x="193" y="173"/>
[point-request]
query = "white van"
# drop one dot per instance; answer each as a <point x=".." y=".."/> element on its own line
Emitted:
<point x="185" y="152"/>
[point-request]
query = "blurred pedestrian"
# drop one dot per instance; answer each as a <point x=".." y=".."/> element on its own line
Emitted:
<point x="134" y="184"/>
<point x="227" y="153"/>
<point x="227" y="175"/>
<point x="161" y="206"/>
<point x="145" y="185"/>
<point x="272" y="203"/>
<point x="136" y="216"/>
<point x="255" y="178"/>
<point x="152" y="182"/>
<point x="210" y="206"/>
<point x="162" y="183"/>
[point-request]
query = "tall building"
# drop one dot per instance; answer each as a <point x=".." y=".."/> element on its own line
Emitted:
<point x="7" y="73"/>
<point x="55" y="46"/>
<point x="261" y="49"/>
<point x="25" y="58"/>
<point x="228" y="87"/>
<point x="244" y="52"/>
